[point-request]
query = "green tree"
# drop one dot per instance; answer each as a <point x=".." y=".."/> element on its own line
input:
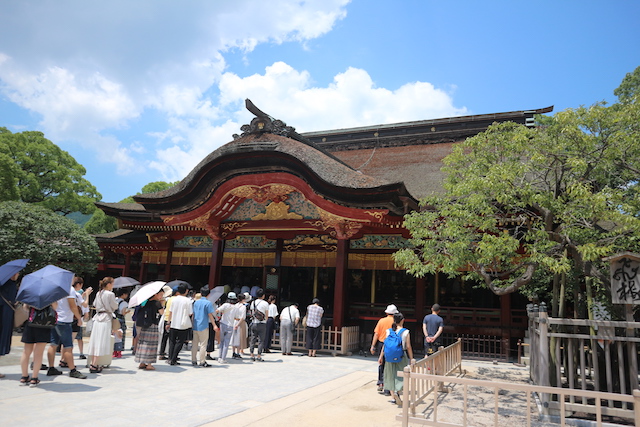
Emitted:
<point x="521" y="201"/>
<point x="100" y="223"/>
<point x="629" y="89"/>
<point x="37" y="233"/>
<point x="35" y="170"/>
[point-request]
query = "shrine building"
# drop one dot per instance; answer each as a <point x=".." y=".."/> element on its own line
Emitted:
<point x="315" y="214"/>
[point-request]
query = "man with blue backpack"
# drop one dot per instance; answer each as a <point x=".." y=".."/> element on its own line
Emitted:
<point x="396" y="354"/>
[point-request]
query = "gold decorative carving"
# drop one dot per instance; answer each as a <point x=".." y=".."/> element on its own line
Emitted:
<point x="232" y="226"/>
<point x="290" y="248"/>
<point x="201" y="222"/>
<point x="376" y="214"/>
<point x="277" y="210"/>
<point x="274" y="192"/>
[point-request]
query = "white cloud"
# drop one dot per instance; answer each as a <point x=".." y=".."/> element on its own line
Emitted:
<point x="163" y="62"/>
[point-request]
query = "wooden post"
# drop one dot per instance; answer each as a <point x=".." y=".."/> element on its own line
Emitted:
<point x="505" y="322"/>
<point x="633" y="356"/>
<point x="405" y="395"/>
<point x="217" y="252"/>
<point x="340" y="293"/>
<point x="543" y="363"/>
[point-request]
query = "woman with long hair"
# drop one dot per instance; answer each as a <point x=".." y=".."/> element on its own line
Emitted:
<point x="100" y="341"/>
<point x="239" y="334"/>
<point x="397" y="335"/>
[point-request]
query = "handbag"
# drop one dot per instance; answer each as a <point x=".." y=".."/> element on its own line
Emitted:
<point x="20" y="313"/>
<point x="115" y="324"/>
<point x="304" y="321"/>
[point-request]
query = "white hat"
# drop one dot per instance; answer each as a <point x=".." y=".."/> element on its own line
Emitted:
<point x="247" y="297"/>
<point x="391" y="309"/>
<point x="232" y="295"/>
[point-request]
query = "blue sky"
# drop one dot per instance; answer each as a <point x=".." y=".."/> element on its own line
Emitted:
<point x="142" y="91"/>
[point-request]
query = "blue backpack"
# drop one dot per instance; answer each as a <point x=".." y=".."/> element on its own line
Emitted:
<point x="393" y="350"/>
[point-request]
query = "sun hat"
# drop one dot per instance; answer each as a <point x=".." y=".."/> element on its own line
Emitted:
<point x="391" y="309"/>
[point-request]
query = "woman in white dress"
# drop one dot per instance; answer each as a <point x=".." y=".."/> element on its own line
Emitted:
<point x="100" y="341"/>
<point x="239" y="327"/>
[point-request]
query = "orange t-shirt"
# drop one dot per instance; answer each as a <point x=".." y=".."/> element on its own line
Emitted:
<point x="382" y="327"/>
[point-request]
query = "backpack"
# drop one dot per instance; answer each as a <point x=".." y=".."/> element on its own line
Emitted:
<point x="257" y="314"/>
<point x="146" y="316"/>
<point x="393" y="349"/>
<point x="45" y="318"/>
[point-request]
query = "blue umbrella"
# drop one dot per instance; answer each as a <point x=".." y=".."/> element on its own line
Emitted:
<point x="44" y="286"/>
<point x="12" y="267"/>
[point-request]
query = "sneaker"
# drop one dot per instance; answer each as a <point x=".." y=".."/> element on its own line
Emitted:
<point x="222" y="361"/>
<point x="205" y="365"/>
<point x="82" y="356"/>
<point x="209" y="357"/>
<point x="77" y="374"/>
<point x="53" y="371"/>
<point x="194" y="363"/>
<point x="162" y="357"/>
<point x="380" y="387"/>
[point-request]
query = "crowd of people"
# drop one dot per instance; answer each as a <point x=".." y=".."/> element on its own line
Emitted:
<point x="164" y="324"/>
<point x="171" y="318"/>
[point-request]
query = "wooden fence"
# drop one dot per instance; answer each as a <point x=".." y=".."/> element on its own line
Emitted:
<point x="345" y="340"/>
<point x="503" y="402"/>
<point x="443" y="362"/>
<point x="579" y="354"/>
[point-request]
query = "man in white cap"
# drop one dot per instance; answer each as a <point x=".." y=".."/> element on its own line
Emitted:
<point x="379" y="335"/>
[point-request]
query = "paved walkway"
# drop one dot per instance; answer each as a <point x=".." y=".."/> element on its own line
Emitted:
<point x="283" y="390"/>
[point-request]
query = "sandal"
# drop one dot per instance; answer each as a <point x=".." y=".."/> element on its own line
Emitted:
<point x="34" y="382"/>
<point x="63" y="364"/>
<point x="142" y="366"/>
<point x="24" y="380"/>
<point x="94" y="369"/>
<point x="149" y="368"/>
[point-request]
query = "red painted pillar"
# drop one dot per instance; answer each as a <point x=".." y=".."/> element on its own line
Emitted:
<point x="127" y="264"/>
<point x="167" y="265"/>
<point x="217" y="252"/>
<point x="340" y="293"/>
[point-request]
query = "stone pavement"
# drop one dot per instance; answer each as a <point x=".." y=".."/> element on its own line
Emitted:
<point x="283" y="390"/>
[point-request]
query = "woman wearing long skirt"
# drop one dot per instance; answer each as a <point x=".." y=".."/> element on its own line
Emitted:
<point x="392" y="381"/>
<point x="147" y="318"/>
<point x="100" y="341"/>
<point x="239" y="335"/>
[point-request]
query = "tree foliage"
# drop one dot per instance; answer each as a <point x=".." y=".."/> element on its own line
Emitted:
<point x="37" y="233"/>
<point x="35" y="170"/>
<point x="521" y="201"/>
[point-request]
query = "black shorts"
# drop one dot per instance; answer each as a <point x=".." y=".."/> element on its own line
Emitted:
<point x="35" y="335"/>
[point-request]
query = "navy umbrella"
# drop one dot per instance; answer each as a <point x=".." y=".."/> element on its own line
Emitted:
<point x="12" y="267"/>
<point x="44" y="286"/>
<point x="172" y="284"/>
<point x="123" y="282"/>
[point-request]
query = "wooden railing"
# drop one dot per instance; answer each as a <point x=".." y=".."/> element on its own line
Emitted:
<point x="581" y="354"/>
<point x="345" y="340"/>
<point x="443" y="362"/>
<point x="502" y="401"/>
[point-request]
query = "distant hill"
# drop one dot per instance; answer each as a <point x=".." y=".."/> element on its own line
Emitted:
<point x="79" y="218"/>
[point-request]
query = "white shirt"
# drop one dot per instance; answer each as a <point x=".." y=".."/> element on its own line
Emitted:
<point x="290" y="313"/>
<point x="65" y="315"/>
<point x="263" y="306"/>
<point x="228" y="313"/>
<point x="181" y="309"/>
<point x="273" y="310"/>
<point x="239" y="314"/>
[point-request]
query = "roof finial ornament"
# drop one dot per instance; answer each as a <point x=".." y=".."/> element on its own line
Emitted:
<point x="264" y="123"/>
